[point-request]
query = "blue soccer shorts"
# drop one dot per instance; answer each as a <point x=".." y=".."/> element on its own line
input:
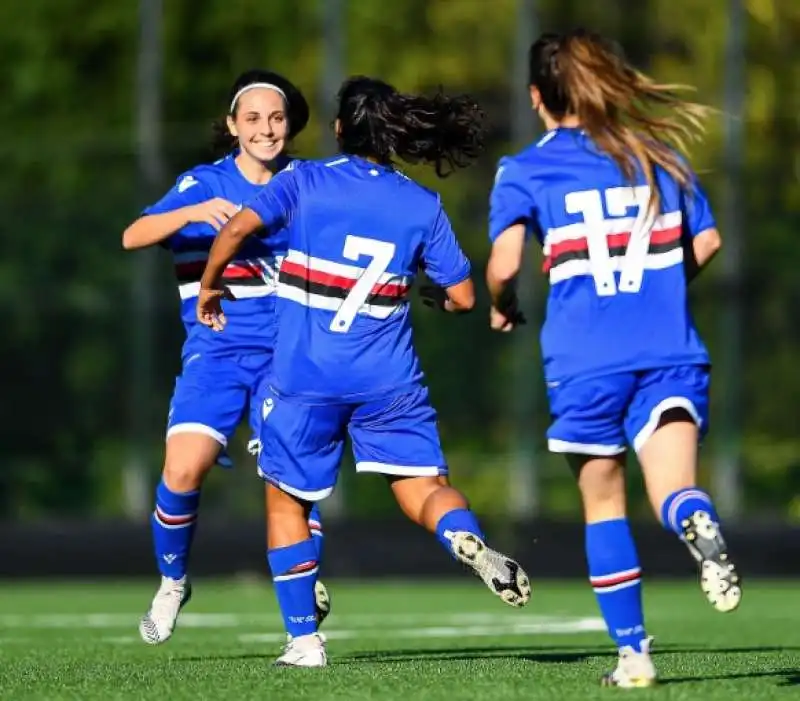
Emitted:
<point x="302" y="444"/>
<point x="214" y="393"/>
<point x="603" y="416"/>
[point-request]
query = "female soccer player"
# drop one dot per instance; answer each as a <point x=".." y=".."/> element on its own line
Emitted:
<point x="344" y="357"/>
<point x="624" y="226"/>
<point x="221" y="372"/>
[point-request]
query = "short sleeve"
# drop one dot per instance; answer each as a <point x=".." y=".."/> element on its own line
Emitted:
<point x="696" y="209"/>
<point x="511" y="201"/>
<point x="444" y="261"/>
<point x="187" y="191"/>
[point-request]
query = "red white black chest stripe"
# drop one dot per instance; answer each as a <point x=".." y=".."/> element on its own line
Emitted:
<point x="247" y="277"/>
<point x="323" y="284"/>
<point x="566" y="248"/>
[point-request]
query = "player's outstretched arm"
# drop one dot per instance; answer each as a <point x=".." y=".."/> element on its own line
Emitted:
<point x="501" y="273"/>
<point x="225" y="247"/>
<point x="151" y="229"/>
<point x="703" y="248"/>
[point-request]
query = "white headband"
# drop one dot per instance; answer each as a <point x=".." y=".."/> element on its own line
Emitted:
<point x="269" y="86"/>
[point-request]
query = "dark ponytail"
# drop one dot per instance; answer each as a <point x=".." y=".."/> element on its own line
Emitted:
<point x="376" y="121"/>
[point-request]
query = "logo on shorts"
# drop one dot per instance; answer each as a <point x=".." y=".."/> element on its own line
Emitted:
<point x="266" y="408"/>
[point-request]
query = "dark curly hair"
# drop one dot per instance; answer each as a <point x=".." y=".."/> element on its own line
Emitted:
<point x="376" y="121"/>
<point x="297" y="113"/>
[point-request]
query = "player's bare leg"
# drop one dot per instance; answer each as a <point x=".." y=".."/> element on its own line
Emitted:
<point x="189" y="457"/>
<point x="614" y="570"/>
<point x="428" y="501"/>
<point x="669" y="464"/>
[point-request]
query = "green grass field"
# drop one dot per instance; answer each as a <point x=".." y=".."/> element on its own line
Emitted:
<point x="390" y="642"/>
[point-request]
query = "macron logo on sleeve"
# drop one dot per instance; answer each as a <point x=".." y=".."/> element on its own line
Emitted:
<point x="186" y="183"/>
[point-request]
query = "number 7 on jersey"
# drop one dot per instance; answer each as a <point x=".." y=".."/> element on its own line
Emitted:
<point x="381" y="253"/>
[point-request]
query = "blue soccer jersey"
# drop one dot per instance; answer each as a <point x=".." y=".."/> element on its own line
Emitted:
<point x="618" y="290"/>
<point x="357" y="234"/>
<point x="251" y="278"/>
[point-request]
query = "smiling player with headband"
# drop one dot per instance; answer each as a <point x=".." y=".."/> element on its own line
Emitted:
<point x="221" y="373"/>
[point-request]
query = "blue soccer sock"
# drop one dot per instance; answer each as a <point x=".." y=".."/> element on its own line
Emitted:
<point x="294" y="572"/>
<point x="315" y="526"/>
<point x="616" y="579"/>
<point x="457" y="520"/>
<point x="680" y="505"/>
<point x="173" y="523"/>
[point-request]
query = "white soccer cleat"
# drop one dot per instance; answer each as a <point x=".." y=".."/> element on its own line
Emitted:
<point x="322" y="602"/>
<point x="634" y="670"/>
<point x="158" y="624"/>
<point x="304" y="651"/>
<point x="500" y="573"/>
<point x="719" y="579"/>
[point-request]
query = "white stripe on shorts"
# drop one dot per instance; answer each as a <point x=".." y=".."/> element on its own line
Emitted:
<point x="198" y="428"/>
<point x="597" y="449"/>
<point x="318" y="495"/>
<point x="399" y="470"/>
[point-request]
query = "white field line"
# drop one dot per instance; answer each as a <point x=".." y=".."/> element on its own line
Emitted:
<point x="552" y="627"/>
<point x="243" y="620"/>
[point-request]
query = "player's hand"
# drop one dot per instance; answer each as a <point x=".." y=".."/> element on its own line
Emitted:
<point x="209" y="307"/>
<point x="215" y="212"/>
<point x="433" y="296"/>
<point x="499" y="321"/>
<point x="506" y="317"/>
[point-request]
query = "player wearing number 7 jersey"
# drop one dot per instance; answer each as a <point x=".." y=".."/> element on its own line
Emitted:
<point x="624" y="226"/>
<point x="358" y="230"/>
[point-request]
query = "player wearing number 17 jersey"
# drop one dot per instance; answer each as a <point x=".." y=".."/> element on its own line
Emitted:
<point x="624" y="226"/>
<point x="344" y="362"/>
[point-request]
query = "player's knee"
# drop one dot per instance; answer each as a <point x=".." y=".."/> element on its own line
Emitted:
<point x="184" y="474"/>
<point x="601" y="481"/>
<point x="183" y="477"/>
<point x="189" y="457"/>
